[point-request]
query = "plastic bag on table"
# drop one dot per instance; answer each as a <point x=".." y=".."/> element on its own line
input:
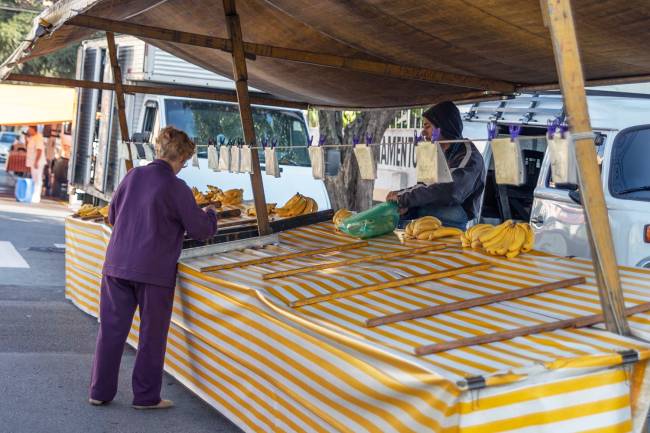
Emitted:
<point x="245" y="165"/>
<point x="376" y="221"/>
<point x="366" y="161"/>
<point x="564" y="168"/>
<point x="271" y="161"/>
<point x="317" y="158"/>
<point x="508" y="162"/>
<point x="213" y="158"/>
<point x="235" y="159"/>
<point x="224" y="158"/>
<point x="432" y="165"/>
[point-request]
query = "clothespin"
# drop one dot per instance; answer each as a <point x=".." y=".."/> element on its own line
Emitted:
<point x="265" y="142"/>
<point x="492" y="130"/>
<point x="514" y="131"/>
<point x="321" y="140"/>
<point x="310" y="140"/>
<point x="416" y="137"/>
<point x="435" y="134"/>
<point x="564" y="127"/>
<point x="368" y="139"/>
<point x="551" y="127"/>
<point x="274" y="142"/>
<point x="355" y="140"/>
<point x="222" y="140"/>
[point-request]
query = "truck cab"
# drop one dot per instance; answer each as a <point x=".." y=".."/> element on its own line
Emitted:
<point x="97" y="162"/>
<point x="555" y="213"/>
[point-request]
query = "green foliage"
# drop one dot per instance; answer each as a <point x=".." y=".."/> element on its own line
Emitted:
<point x="15" y="26"/>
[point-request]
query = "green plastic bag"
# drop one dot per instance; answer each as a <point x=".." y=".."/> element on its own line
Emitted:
<point x="376" y="221"/>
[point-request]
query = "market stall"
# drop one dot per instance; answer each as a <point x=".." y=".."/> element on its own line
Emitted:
<point x="304" y="350"/>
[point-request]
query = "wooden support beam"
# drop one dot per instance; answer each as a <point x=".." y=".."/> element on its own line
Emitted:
<point x="347" y="262"/>
<point x="281" y="257"/>
<point x="180" y="91"/>
<point x="240" y="75"/>
<point x="302" y="56"/>
<point x="119" y="95"/>
<point x="471" y="303"/>
<point x="567" y="59"/>
<point x="578" y="322"/>
<point x="589" y="83"/>
<point x="391" y="284"/>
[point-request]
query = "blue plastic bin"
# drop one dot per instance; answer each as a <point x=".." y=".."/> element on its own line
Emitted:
<point x="24" y="189"/>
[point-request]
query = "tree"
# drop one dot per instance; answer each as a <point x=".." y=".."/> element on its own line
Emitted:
<point x="347" y="189"/>
<point x="15" y="25"/>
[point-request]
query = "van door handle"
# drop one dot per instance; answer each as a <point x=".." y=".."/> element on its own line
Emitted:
<point x="537" y="220"/>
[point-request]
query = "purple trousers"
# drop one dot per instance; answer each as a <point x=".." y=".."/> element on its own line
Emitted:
<point x="119" y="299"/>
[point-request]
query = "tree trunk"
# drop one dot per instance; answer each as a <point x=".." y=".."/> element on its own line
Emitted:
<point x="347" y="189"/>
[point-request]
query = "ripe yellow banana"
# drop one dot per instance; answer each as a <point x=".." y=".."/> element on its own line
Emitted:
<point x="340" y="215"/>
<point x="444" y="232"/>
<point x="519" y="239"/>
<point x="424" y="236"/>
<point x="495" y="232"/>
<point x="530" y="238"/>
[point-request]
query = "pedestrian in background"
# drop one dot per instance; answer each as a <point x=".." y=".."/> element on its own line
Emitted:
<point x="150" y="213"/>
<point x="35" y="160"/>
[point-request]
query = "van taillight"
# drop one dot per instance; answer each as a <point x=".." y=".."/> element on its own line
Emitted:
<point x="646" y="233"/>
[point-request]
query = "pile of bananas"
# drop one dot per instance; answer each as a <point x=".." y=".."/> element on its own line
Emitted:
<point x="199" y="197"/>
<point x="508" y="239"/>
<point x="340" y="215"/>
<point x="429" y="228"/>
<point x="231" y="197"/>
<point x="270" y="209"/>
<point x="297" y="205"/>
<point x="88" y="211"/>
<point x="215" y="195"/>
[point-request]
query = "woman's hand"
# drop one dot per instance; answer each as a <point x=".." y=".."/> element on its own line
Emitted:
<point x="214" y="209"/>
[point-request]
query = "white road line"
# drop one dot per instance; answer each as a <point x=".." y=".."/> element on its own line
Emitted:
<point x="10" y="257"/>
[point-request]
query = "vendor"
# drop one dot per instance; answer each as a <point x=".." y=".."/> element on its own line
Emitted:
<point x="459" y="201"/>
<point x="150" y="213"/>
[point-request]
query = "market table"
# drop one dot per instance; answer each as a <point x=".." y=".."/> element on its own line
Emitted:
<point x="237" y="343"/>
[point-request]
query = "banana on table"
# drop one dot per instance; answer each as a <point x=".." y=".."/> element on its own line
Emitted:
<point x="88" y="211"/>
<point x="507" y="239"/>
<point x="429" y="228"/>
<point x="297" y="205"/>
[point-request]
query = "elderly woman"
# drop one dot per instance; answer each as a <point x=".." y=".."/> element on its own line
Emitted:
<point x="150" y="212"/>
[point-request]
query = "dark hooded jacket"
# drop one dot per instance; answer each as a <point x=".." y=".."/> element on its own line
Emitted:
<point x="465" y="163"/>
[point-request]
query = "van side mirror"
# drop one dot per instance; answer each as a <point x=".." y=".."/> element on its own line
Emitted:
<point x="575" y="196"/>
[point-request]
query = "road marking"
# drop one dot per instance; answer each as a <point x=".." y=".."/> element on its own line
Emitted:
<point x="10" y="257"/>
<point x="60" y="246"/>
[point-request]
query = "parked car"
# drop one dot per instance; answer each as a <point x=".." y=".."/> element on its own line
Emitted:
<point x="6" y="140"/>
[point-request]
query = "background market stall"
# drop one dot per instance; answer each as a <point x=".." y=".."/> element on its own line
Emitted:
<point x="379" y="54"/>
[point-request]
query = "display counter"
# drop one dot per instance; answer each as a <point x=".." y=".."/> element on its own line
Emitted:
<point x="238" y="343"/>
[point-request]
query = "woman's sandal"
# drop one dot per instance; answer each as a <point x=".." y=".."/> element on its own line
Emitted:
<point x="164" y="404"/>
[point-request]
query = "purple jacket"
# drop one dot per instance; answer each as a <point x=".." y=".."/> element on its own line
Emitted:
<point x="150" y="213"/>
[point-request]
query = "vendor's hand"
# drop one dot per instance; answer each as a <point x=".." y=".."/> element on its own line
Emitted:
<point x="392" y="196"/>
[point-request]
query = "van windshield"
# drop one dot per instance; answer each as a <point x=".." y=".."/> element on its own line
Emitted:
<point x="211" y="121"/>
<point x="630" y="176"/>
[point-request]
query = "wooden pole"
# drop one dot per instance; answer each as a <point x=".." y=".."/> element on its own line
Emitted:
<point x="119" y="96"/>
<point x="302" y="56"/>
<point x="371" y="258"/>
<point x="471" y="303"/>
<point x="240" y="76"/>
<point x="281" y="257"/>
<point x="391" y="284"/>
<point x="186" y="92"/>
<point x="567" y="58"/>
<point x="577" y="322"/>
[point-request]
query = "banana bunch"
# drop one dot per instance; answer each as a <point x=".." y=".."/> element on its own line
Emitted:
<point x="199" y="197"/>
<point x="340" y="215"/>
<point x="508" y="239"/>
<point x="270" y="209"/>
<point x="88" y="211"/>
<point x="297" y="205"/>
<point x="104" y="211"/>
<point x="231" y="197"/>
<point x="212" y="193"/>
<point x="429" y="228"/>
<point x="470" y="238"/>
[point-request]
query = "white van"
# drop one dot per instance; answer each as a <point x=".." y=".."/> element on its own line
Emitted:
<point x="97" y="166"/>
<point x="619" y="117"/>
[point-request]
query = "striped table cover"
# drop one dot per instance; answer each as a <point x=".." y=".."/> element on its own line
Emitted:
<point x="236" y="343"/>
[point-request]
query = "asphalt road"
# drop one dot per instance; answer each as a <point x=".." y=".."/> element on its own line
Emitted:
<point x="46" y="345"/>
